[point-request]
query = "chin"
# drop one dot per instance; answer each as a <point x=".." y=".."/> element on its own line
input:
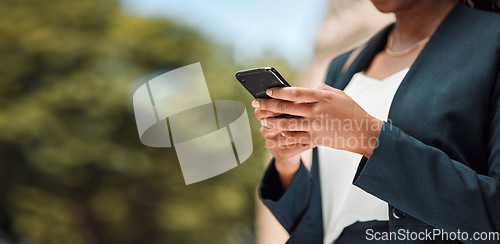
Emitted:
<point x="390" y="6"/>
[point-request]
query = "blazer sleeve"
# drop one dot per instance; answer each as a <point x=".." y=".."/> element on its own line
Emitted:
<point x="290" y="206"/>
<point x="287" y="206"/>
<point x="424" y="182"/>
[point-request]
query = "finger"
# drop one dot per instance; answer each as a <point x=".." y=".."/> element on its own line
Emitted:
<point x="261" y="114"/>
<point x="287" y="124"/>
<point x="273" y="141"/>
<point x="284" y="107"/>
<point x="289" y="140"/>
<point x="295" y="94"/>
<point x="279" y="142"/>
<point x="291" y="150"/>
<point x="268" y="133"/>
<point x="301" y="137"/>
<point x="282" y="143"/>
<point x="300" y="147"/>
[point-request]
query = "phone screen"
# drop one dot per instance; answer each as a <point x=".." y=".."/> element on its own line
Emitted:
<point x="258" y="80"/>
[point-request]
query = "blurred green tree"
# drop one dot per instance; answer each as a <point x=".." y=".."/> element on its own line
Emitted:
<point x="72" y="169"/>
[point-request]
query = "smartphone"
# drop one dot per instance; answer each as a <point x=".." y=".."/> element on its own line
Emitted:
<point x="258" y="80"/>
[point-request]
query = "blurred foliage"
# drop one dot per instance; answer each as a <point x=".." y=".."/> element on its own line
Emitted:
<point x="72" y="168"/>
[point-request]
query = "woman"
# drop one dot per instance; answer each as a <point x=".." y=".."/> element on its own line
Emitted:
<point x="406" y="134"/>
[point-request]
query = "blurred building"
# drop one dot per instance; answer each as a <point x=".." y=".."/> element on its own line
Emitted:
<point x="349" y="24"/>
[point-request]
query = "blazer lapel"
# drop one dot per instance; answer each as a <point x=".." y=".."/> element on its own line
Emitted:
<point x="363" y="60"/>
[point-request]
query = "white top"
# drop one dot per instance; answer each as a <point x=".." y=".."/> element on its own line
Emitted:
<point x="344" y="203"/>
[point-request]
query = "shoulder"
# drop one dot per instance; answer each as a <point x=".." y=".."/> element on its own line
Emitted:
<point x="479" y="30"/>
<point x="478" y="13"/>
<point x="486" y="22"/>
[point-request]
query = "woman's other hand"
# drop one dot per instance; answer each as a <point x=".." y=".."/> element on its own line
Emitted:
<point x="285" y="151"/>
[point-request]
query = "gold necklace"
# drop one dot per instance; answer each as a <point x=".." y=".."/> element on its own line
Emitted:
<point x="390" y="41"/>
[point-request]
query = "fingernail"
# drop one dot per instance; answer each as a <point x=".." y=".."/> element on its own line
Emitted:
<point x="269" y="92"/>
<point x="256" y="104"/>
<point x="263" y="122"/>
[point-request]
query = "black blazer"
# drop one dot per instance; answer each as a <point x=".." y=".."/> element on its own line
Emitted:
<point x="437" y="163"/>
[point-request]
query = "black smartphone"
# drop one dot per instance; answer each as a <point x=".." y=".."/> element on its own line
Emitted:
<point x="258" y="80"/>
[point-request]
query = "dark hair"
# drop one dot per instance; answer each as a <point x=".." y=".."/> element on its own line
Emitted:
<point x="489" y="5"/>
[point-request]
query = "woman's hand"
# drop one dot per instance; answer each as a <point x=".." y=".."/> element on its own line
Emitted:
<point x="285" y="151"/>
<point x="322" y="116"/>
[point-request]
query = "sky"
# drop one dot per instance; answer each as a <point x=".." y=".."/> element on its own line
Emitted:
<point x="255" y="29"/>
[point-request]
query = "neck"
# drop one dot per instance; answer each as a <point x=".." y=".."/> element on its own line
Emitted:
<point x="419" y="21"/>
